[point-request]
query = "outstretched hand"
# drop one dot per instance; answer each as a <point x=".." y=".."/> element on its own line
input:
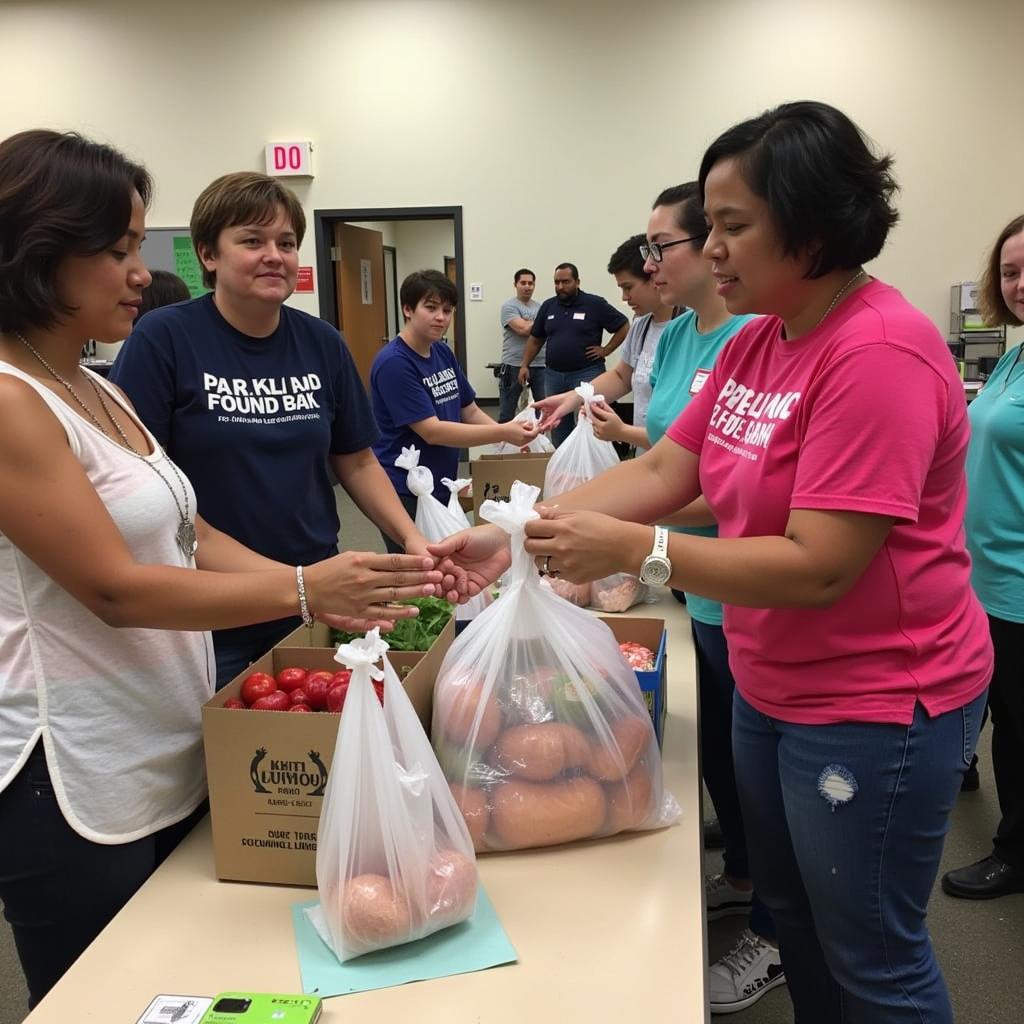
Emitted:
<point x="476" y="558"/>
<point x="579" y="546"/>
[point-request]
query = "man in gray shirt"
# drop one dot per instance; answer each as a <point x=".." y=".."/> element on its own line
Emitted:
<point x="517" y="316"/>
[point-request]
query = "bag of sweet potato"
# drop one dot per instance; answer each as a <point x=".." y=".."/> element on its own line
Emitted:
<point x="539" y="723"/>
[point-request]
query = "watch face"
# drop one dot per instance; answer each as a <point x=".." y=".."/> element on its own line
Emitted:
<point x="656" y="570"/>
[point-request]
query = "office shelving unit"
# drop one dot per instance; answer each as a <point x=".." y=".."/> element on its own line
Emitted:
<point x="972" y="342"/>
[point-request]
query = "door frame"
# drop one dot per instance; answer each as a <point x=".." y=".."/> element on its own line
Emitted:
<point x="323" y="230"/>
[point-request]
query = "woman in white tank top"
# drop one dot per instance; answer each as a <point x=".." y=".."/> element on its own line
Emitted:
<point x="108" y="578"/>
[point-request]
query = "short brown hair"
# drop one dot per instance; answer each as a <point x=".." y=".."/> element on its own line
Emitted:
<point x="60" y="195"/>
<point x="427" y="284"/>
<point x="244" y="197"/>
<point x="990" y="295"/>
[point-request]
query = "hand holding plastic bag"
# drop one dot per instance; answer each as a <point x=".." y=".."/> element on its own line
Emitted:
<point x="539" y="722"/>
<point x="539" y="445"/>
<point x="581" y="456"/>
<point x="394" y="858"/>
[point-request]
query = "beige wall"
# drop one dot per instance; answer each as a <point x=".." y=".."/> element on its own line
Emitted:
<point x="553" y="124"/>
<point x="423" y="245"/>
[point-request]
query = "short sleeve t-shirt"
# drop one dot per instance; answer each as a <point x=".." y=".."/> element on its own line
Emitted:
<point x="513" y="345"/>
<point x="638" y="351"/>
<point x="865" y="413"/>
<point x="681" y="367"/>
<point x="251" y="421"/>
<point x="569" y="328"/>
<point x="405" y="388"/>
<point x="995" y="490"/>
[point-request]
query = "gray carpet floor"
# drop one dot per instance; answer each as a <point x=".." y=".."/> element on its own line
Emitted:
<point x="979" y="945"/>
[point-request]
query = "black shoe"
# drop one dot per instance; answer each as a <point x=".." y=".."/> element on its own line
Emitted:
<point x="984" y="880"/>
<point x="713" y="838"/>
<point x="971" y="780"/>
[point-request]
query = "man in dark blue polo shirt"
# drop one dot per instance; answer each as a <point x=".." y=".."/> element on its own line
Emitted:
<point x="572" y="325"/>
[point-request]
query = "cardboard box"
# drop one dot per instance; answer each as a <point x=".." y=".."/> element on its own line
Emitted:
<point x="654" y="684"/>
<point x="493" y="475"/>
<point x="267" y="770"/>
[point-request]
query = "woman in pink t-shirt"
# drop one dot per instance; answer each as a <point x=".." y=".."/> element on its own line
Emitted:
<point x="829" y="442"/>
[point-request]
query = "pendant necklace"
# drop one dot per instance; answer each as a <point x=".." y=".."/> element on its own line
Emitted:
<point x="185" y="535"/>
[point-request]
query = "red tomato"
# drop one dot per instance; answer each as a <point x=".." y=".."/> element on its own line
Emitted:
<point x="336" y="697"/>
<point x="234" y="702"/>
<point x="259" y="684"/>
<point x="378" y="686"/>
<point x="316" y="686"/>
<point x="301" y="707"/>
<point x="344" y="676"/>
<point x="289" y="679"/>
<point x="300" y="697"/>
<point x="276" y="701"/>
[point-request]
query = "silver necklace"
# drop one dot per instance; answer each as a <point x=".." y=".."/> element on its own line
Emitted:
<point x="838" y="295"/>
<point x="185" y="536"/>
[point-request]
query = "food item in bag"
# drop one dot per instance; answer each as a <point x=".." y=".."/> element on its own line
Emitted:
<point x="547" y="813"/>
<point x="463" y="715"/>
<point x="373" y="913"/>
<point x="614" y="760"/>
<point x="472" y="802"/>
<point x="540" y="752"/>
<point x="629" y="801"/>
<point x="451" y="887"/>
<point x="575" y="593"/>
<point x="616" y="593"/>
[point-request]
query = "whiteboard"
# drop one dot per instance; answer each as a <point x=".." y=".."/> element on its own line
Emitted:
<point x="171" y="249"/>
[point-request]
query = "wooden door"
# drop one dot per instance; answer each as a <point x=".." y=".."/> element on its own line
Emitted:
<point x="451" y="271"/>
<point x="362" y="308"/>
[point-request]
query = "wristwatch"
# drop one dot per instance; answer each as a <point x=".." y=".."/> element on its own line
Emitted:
<point x="656" y="569"/>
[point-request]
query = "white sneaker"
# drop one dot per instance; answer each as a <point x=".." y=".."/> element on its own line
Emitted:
<point x="723" y="898"/>
<point x="744" y="974"/>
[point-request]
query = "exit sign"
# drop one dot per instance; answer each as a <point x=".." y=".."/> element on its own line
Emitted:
<point x="290" y="159"/>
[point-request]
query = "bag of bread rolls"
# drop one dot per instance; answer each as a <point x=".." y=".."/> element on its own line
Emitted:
<point x="394" y="857"/>
<point x="539" y="723"/>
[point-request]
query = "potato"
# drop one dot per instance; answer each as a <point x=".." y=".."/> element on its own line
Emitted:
<point x="457" y="702"/>
<point x="472" y="802"/>
<point x="525" y="814"/>
<point x="373" y="913"/>
<point x="631" y="737"/>
<point x="629" y="801"/>
<point x="540" y="752"/>
<point x="451" y="888"/>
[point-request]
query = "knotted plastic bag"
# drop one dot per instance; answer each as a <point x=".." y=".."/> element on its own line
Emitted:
<point x="539" y="722"/>
<point x="394" y="858"/>
<point x="539" y="445"/>
<point x="581" y="455"/>
<point x="455" y="487"/>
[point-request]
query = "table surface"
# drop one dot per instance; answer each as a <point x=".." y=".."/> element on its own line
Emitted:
<point x="605" y="931"/>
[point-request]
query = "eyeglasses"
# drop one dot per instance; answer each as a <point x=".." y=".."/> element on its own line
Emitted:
<point x="656" y="250"/>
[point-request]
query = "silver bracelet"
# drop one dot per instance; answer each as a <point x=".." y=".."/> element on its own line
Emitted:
<point x="307" y="619"/>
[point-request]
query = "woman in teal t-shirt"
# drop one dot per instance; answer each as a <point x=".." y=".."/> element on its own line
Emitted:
<point x="994" y="525"/>
<point x="686" y="353"/>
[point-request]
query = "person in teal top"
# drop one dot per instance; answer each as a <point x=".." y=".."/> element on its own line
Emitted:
<point x="994" y="525"/>
<point x="686" y="353"/>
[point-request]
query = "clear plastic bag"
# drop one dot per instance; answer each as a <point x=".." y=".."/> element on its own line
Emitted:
<point x="455" y="487"/>
<point x="394" y="857"/>
<point x="617" y="593"/>
<point x="539" y="723"/>
<point x="540" y="444"/>
<point x="581" y="455"/>
<point x="435" y="520"/>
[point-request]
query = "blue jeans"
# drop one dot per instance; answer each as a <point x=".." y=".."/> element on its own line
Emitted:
<point x="846" y="824"/>
<point x="716" y="686"/>
<point x="509" y="389"/>
<point x="555" y="382"/>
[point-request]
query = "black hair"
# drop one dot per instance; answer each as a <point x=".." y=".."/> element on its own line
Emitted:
<point x="520" y="272"/>
<point x="627" y="258"/>
<point x="826" y="190"/>
<point x="60" y="195"/>
<point x="427" y="284"/>
<point x="165" y="289"/>
<point x="569" y="266"/>
<point x="686" y="198"/>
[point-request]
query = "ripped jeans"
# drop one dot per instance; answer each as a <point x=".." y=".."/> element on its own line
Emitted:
<point x="845" y="825"/>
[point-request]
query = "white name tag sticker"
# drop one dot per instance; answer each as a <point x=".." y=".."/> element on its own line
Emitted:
<point x="699" y="380"/>
<point x="551" y="316"/>
<point x="579" y="316"/>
